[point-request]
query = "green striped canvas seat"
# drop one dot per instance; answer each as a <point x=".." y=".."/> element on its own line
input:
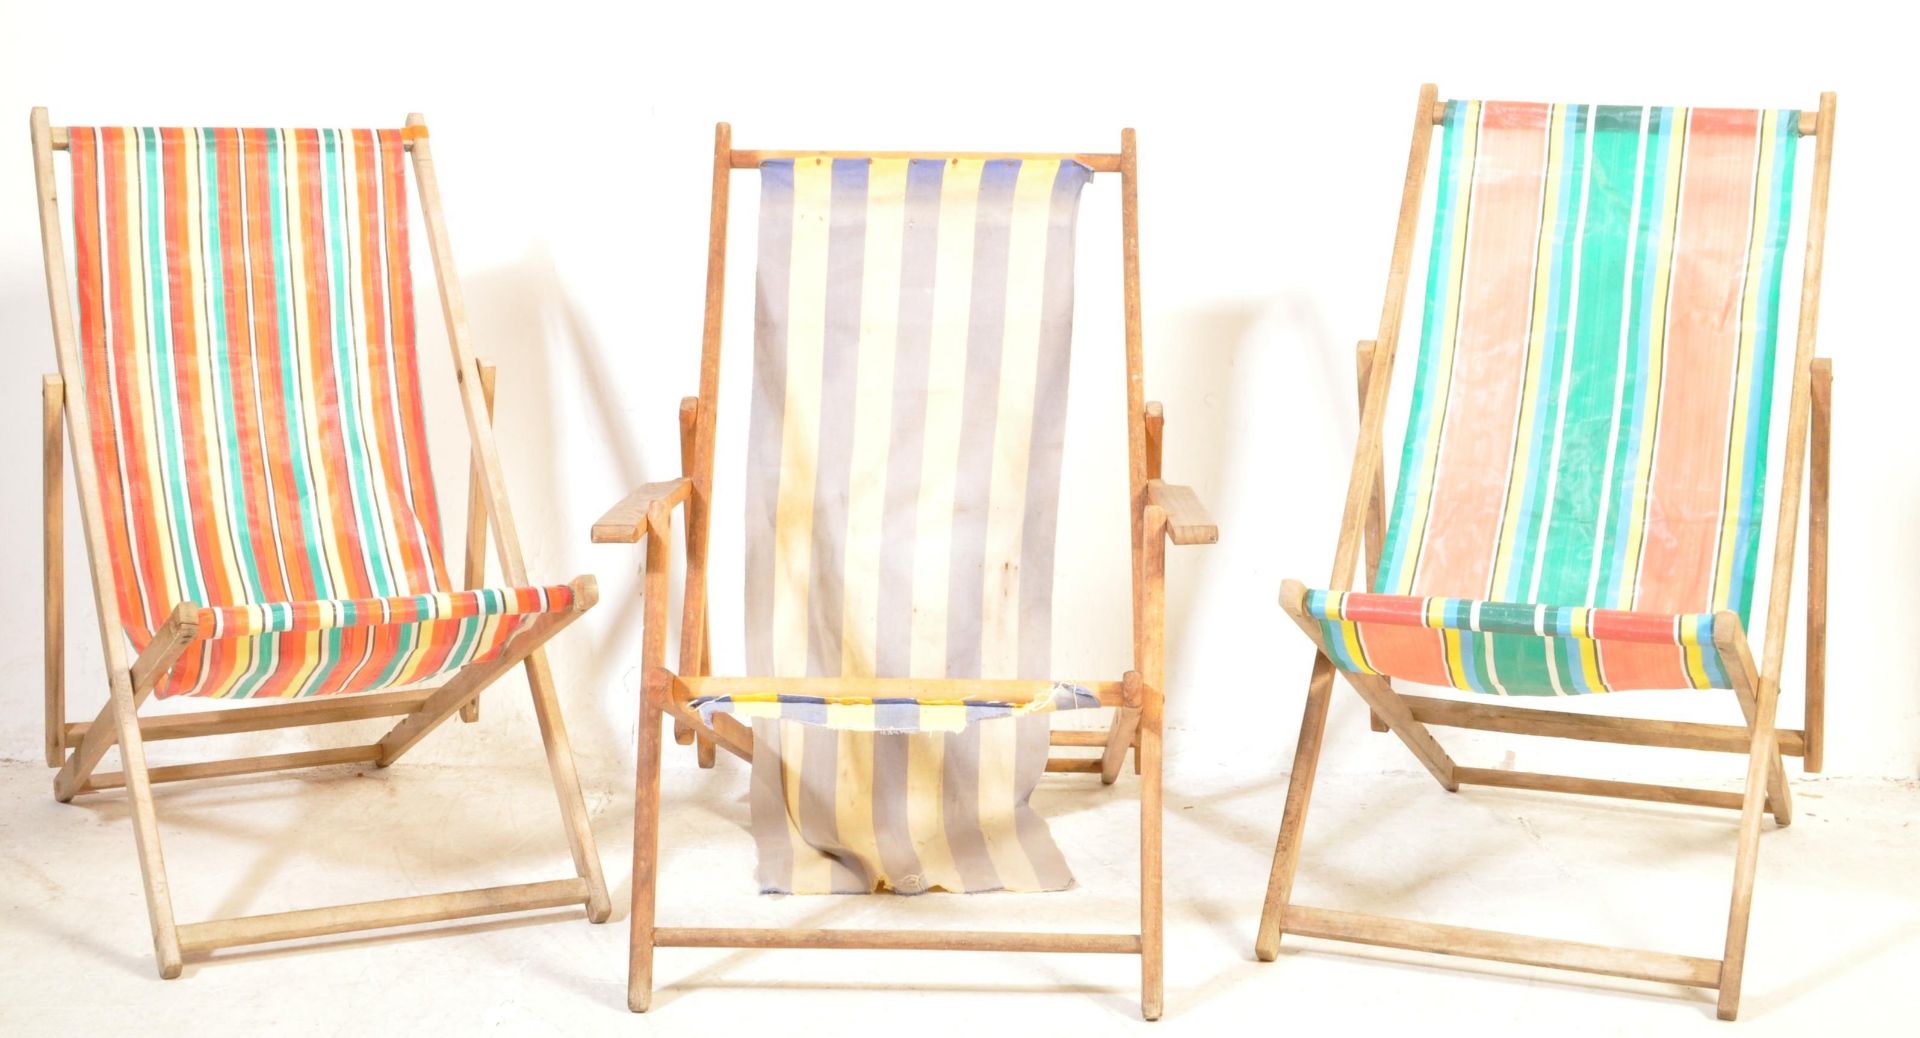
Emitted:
<point x="1581" y="484"/>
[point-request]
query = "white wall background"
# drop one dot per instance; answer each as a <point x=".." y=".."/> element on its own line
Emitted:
<point x="574" y="143"/>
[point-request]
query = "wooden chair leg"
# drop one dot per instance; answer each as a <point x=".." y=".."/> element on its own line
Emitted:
<point x="655" y="688"/>
<point x="1293" y="821"/>
<point x="1763" y="762"/>
<point x="566" y="786"/>
<point x="146" y="828"/>
<point x="1386" y="703"/>
<point x="53" y="519"/>
<point x="706" y="751"/>
<point x="1737" y="656"/>
<point x="1151" y="673"/>
<point x="476" y="561"/>
<point x="1817" y="477"/>
<point x="1747" y="859"/>
<point x="1376" y="497"/>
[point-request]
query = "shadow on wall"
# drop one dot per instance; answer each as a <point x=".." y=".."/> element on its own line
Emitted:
<point x="1203" y="393"/>
<point x="567" y="442"/>
<point x="1238" y="381"/>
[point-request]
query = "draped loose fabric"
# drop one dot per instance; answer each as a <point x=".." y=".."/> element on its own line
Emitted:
<point x="246" y="335"/>
<point x="913" y="322"/>
<point x="1586" y="450"/>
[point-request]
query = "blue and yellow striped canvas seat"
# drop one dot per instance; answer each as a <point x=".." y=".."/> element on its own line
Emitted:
<point x="913" y="319"/>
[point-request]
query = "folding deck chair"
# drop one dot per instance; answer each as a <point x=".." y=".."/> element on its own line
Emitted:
<point x="903" y="470"/>
<point x="239" y="387"/>
<point x="1583" y="482"/>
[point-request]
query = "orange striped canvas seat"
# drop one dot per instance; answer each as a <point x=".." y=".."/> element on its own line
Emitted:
<point x="246" y="330"/>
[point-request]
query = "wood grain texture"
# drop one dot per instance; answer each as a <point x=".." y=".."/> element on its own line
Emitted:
<point x="898" y="940"/>
<point x="53" y="564"/>
<point x="1187" y="519"/>
<point x="626" y="522"/>
<point x="1501" y="947"/>
<point x="475" y="559"/>
<point x="1818" y="479"/>
<point x="373" y="915"/>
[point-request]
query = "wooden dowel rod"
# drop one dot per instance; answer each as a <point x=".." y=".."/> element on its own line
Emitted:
<point x="1554" y="724"/>
<point x="62" y="140"/>
<point x="1077" y="737"/>
<point x="753" y="158"/>
<point x="239" y="766"/>
<point x="292" y="714"/>
<point x="1073" y="765"/>
<point x="374" y="915"/>
<point x="1502" y="947"/>
<point x="53" y="466"/>
<point x="1111" y="693"/>
<point x="896" y="940"/>
<point x="1597" y="787"/>
<point x="1808" y="124"/>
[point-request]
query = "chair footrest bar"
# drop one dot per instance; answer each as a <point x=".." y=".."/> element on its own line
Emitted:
<point x="897" y="940"/>
<point x="1597" y="787"/>
<point x="374" y="915"/>
<point x="1075" y="765"/>
<point x="1631" y="731"/>
<point x="1078" y="737"/>
<point x="1493" y="945"/>
<point x="292" y="714"/>
<point x="239" y="766"/>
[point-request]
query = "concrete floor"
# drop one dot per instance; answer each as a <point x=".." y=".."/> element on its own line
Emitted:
<point x="1835" y="950"/>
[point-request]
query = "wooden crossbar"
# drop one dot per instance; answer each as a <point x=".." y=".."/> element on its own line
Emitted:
<point x="1597" y="787"/>
<point x="291" y="714"/>
<point x="378" y="915"/>
<point x="897" y="940"/>
<point x="1497" y="946"/>
<point x="1634" y="731"/>
<point x="1808" y="124"/>
<point x="60" y="139"/>
<point x="686" y="687"/>
<point x="752" y="158"/>
<point x="239" y="766"/>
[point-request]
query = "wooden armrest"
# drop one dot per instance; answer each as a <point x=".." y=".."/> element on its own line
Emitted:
<point x="1187" y="519"/>
<point x="626" y="522"/>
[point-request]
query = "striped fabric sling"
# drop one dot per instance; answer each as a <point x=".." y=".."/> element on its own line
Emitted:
<point x="246" y="326"/>
<point x="1584" y="470"/>
<point x="904" y="447"/>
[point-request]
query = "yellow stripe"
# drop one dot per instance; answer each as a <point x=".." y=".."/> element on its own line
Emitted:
<point x="812" y="871"/>
<point x="1656" y="362"/>
<point x="1743" y="376"/>
<point x="800" y="422"/>
<point x="1539" y="319"/>
<point x="853" y="802"/>
<point x="141" y="400"/>
<point x="1350" y="637"/>
<point x="926" y="819"/>
<point x="946" y="371"/>
<point x="872" y="412"/>
<point x="998" y="821"/>
<point x="1456" y="668"/>
<point x="1421" y="482"/>
<point x="1012" y="432"/>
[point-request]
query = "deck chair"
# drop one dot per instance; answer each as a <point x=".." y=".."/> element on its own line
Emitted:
<point x="1583" y="482"/>
<point x="239" y="386"/>
<point x="903" y="469"/>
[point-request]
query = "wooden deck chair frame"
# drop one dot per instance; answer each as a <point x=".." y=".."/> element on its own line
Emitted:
<point x="1756" y="688"/>
<point x="1160" y="512"/>
<point x="76" y="748"/>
